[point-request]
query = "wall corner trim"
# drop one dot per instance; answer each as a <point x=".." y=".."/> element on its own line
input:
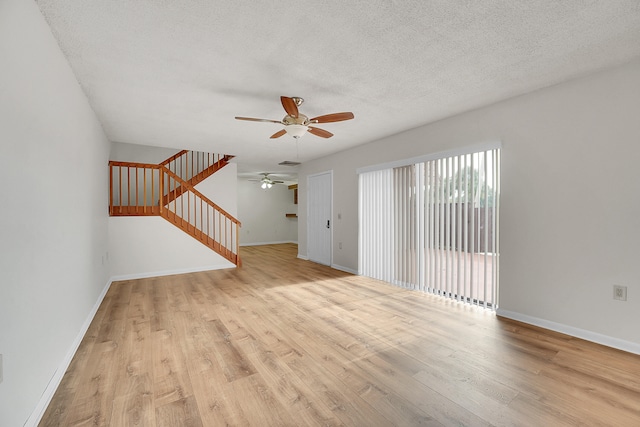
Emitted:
<point x="55" y="380"/>
<point x="628" y="346"/>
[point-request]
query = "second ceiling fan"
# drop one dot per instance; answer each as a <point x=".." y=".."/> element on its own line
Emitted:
<point x="297" y="124"/>
<point x="265" y="181"/>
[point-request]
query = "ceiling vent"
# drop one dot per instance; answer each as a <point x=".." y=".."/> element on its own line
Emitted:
<point x="289" y="163"/>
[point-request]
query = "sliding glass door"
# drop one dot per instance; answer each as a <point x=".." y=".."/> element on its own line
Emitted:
<point x="433" y="226"/>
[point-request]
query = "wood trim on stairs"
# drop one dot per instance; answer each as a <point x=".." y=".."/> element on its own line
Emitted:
<point x="224" y="238"/>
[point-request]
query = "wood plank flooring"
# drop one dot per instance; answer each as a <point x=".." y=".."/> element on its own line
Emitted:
<point x="286" y="342"/>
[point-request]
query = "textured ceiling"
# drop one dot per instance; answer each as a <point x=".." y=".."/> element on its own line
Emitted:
<point x="175" y="73"/>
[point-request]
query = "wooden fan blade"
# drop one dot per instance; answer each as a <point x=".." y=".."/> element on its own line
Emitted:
<point x="335" y="117"/>
<point x="278" y="182"/>
<point x="278" y="134"/>
<point x="289" y="106"/>
<point x="251" y="119"/>
<point x="320" y="132"/>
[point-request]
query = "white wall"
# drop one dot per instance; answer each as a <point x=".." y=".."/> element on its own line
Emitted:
<point x="152" y="246"/>
<point x="262" y="214"/>
<point x="140" y="153"/>
<point x="570" y="199"/>
<point x="222" y="188"/>
<point x="54" y="192"/>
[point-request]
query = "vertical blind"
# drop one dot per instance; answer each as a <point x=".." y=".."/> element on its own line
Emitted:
<point x="433" y="226"/>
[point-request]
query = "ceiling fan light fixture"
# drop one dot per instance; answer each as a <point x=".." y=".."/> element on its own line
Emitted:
<point x="296" y="131"/>
<point x="266" y="183"/>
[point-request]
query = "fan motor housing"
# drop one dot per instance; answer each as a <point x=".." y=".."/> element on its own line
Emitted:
<point x="300" y="120"/>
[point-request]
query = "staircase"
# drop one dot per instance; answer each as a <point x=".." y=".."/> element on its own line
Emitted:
<point x="168" y="190"/>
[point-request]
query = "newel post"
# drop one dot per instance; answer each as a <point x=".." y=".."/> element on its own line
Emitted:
<point x="161" y="188"/>
<point x="110" y="189"/>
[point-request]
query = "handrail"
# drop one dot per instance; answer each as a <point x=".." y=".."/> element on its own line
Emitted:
<point x="174" y="157"/>
<point x="194" y="166"/>
<point x="200" y="217"/>
<point x="134" y="164"/>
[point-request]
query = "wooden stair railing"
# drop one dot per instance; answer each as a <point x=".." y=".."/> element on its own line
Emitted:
<point x="192" y="166"/>
<point x="198" y="216"/>
<point x="141" y="189"/>
<point x="134" y="189"/>
<point x="195" y="166"/>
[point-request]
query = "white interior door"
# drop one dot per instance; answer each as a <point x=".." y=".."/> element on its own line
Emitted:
<point x="319" y="217"/>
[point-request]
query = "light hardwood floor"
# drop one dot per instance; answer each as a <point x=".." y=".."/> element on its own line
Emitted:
<point x="283" y="341"/>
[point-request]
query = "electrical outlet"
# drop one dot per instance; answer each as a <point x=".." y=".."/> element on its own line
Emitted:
<point x="620" y="292"/>
<point x="340" y="245"/>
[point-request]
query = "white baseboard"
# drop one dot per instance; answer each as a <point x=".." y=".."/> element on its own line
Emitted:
<point x="55" y="380"/>
<point x="595" y="337"/>
<point x="345" y="269"/>
<point x="268" y="243"/>
<point x="171" y="272"/>
<point x="335" y="266"/>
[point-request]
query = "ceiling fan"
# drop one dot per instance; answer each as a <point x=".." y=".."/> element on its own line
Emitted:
<point x="266" y="182"/>
<point x="297" y="124"/>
